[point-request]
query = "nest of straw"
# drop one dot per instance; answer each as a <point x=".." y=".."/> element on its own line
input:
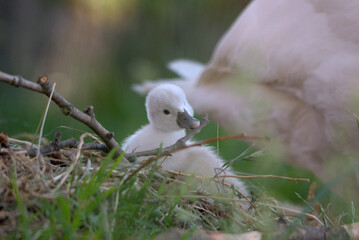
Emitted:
<point x="61" y="172"/>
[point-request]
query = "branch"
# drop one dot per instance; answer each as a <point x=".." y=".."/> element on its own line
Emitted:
<point x="179" y="144"/>
<point x="77" y="157"/>
<point x="237" y="136"/>
<point x="266" y="176"/>
<point x="56" y="145"/>
<point x="88" y="117"/>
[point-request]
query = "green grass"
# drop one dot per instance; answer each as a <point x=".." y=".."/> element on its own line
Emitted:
<point x="96" y="203"/>
<point x="138" y="209"/>
<point x="131" y="210"/>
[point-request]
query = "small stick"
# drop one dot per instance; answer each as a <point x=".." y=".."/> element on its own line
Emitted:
<point x="185" y="174"/>
<point x="77" y="157"/>
<point x="292" y="210"/>
<point x="180" y="145"/>
<point x="238" y="176"/>
<point x="44" y="119"/>
<point x="72" y="143"/>
<point x="266" y="176"/>
<point x="20" y="142"/>
<point x="56" y="145"/>
<point x="237" y="136"/>
<point x="180" y="142"/>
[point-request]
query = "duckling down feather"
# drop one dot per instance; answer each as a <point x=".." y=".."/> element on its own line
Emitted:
<point x="163" y="104"/>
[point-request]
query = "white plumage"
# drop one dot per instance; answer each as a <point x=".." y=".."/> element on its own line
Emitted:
<point x="289" y="70"/>
<point x="163" y="104"/>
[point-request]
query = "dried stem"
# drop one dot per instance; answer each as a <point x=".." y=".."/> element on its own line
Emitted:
<point x="56" y="145"/>
<point x="266" y="176"/>
<point x="238" y="176"/>
<point x="43" y="120"/>
<point x="179" y="144"/>
<point x="291" y="210"/>
<point x="237" y="136"/>
<point x="78" y="154"/>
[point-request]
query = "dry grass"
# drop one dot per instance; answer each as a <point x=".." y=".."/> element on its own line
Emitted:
<point x="73" y="193"/>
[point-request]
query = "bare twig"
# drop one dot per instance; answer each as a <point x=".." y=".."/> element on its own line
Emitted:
<point x="72" y="143"/>
<point x="78" y="154"/>
<point x="291" y="210"/>
<point x="96" y="146"/>
<point x="56" y="145"/>
<point x="266" y="176"/>
<point x="179" y="144"/>
<point x="67" y="108"/>
<point x="44" y="118"/>
<point x="182" y="142"/>
<point x="237" y="136"/>
<point x="237" y="176"/>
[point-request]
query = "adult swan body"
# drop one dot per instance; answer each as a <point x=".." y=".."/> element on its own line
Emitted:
<point x="290" y="70"/>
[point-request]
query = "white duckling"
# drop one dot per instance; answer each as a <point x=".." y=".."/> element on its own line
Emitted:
<point x="169" y="115"/>
<point x="288" y="70"/>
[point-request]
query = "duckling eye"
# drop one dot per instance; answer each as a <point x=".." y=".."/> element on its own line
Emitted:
<point x="166" y="112"/>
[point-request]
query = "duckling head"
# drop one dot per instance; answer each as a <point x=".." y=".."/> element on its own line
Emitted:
<point x="168" y="109"/>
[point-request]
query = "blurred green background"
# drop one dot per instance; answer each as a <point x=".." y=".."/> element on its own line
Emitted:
<point x="95" y="50"/>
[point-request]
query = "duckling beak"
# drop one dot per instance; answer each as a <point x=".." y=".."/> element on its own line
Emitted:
<point x="184" y="120"/>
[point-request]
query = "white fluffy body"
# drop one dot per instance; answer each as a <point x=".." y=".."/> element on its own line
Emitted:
<point x="163" y="129"/>
<point x="288" y="70"/>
